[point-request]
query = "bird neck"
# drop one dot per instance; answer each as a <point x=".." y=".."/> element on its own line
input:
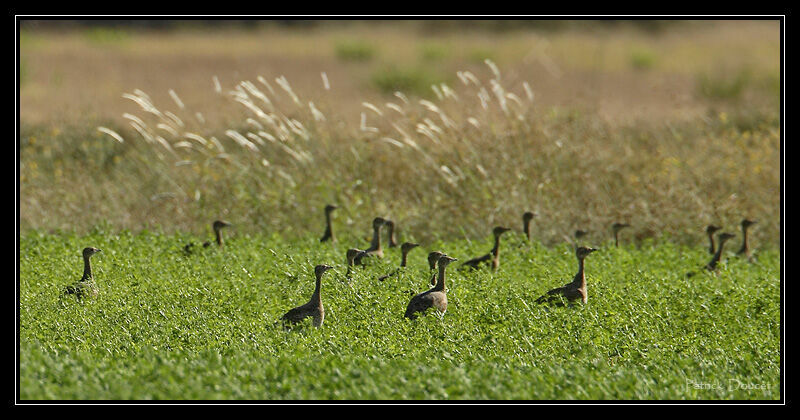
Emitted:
<point x="440" y="281"/>
<point x="87" y="269"/>
<point x="527" y="229"/>
<point x="717" y="255"/>
<point x="744" y="240"/>
<point x="616" y="238"/>
<point x="392" y="240"/>
<point x="376" y="239"/>
<point x="404" y="259"/>
<point x="711" y="243"/>
<point x="218" y="234"/>
<point x="496" y="249"/>
<point x="316" y="296"/>
<point x="580" y="278"/>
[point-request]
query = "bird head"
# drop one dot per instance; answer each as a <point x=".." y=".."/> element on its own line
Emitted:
<point x="407" y="246"/>
<point x="89" y="251"/>
<point x="499" y="230"/>
<point x="583" y="251"/>
<point x="321" y="269"/>
<point x="219" y="224"/>
<point x="433" y="257"/>
<point x="444" y="260"/>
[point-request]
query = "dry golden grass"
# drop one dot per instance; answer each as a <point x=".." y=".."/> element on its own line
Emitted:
<point x="654" y="130"/>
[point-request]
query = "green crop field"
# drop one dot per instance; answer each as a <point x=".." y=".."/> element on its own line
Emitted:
<point x="134" y="140"/>
<point x="170" y="326"/>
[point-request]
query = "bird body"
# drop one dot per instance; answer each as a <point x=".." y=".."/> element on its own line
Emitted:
<point x="313" y="308"/>
<point x="85" y="286"/>
<point x="574" y="290"/>
<point x="436" y="297"/>
<point x="493" y="257"/>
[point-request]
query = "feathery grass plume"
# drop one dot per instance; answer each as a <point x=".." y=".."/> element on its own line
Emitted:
<point x="111" y="133"/>
<point x="325" y="82"/>
<point x="402" y="97"/>
<point x="241" y="140"/>
<point x="372" y="107"/>
<point x="197" y="138"/>
<point x="392" y="141"/>
<point x="174" y="119"/>
<point x="284" y="84"/>
<point x="318" y="116"/>
<point x="437" y="91"/>
<point x="364" y="127"/>
<point x="199" y="117"/>
<point x="266" y="84"/>
<point x="167" y="128"/>
<point x="493" y="67"/>
<point x="217" y="86"/>
<point x="176" y="99"/>
<point x="395" y="108"/>
<point x="254" y="123"/>
<point x="528" y="90"/>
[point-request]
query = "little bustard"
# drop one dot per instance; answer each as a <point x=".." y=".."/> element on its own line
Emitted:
<point x="710" y="231"/>
<point x="745" y="249"/>
<point x="433" y="258"/>
<point x="375" y="248"/>
<point x="433" y="298"/>
<point x="574" y="290"/>
<point x="390" y="233"/>
<point x="615" y="228"/>
<point x="526" y="223"/>
<point x="328" y="235"/>
<point x="351" y="255"/>
<point x="85" y="286"/>
<point x="313" y="308"/>
<point x="712" y="265"/>
<point x="493" y="257"/>
<point x="404" y="249"/>
<point x="217" y="226"/>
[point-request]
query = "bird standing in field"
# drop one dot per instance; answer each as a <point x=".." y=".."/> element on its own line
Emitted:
<point x="615" y="228"/>
<point x="313" y="308"/>
<point x="526" y="223"/>
<point x="375" y="249"/>
<point x="574" y="290"/>
<point x="433" y="258"/>
<point x="710" y="231"/>
<point x="217" y="226"/>
<point x="328" y="235"/>
<point x="390" y="228"/>
<point x="493" y="257"/>
<point x="722" y="238"/>
<point x="745" y="249"/>
<point x="712" y="265"/>
<point x="85" y="286"/>
<point x="404" y="249"/>
<point x="433" y="298"/>
<point x="351" y="255"/>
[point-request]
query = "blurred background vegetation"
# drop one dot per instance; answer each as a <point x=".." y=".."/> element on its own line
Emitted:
<point x="667" y="125"/>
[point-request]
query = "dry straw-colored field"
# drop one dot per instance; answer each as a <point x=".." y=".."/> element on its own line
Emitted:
<point x="448" y="132"/>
